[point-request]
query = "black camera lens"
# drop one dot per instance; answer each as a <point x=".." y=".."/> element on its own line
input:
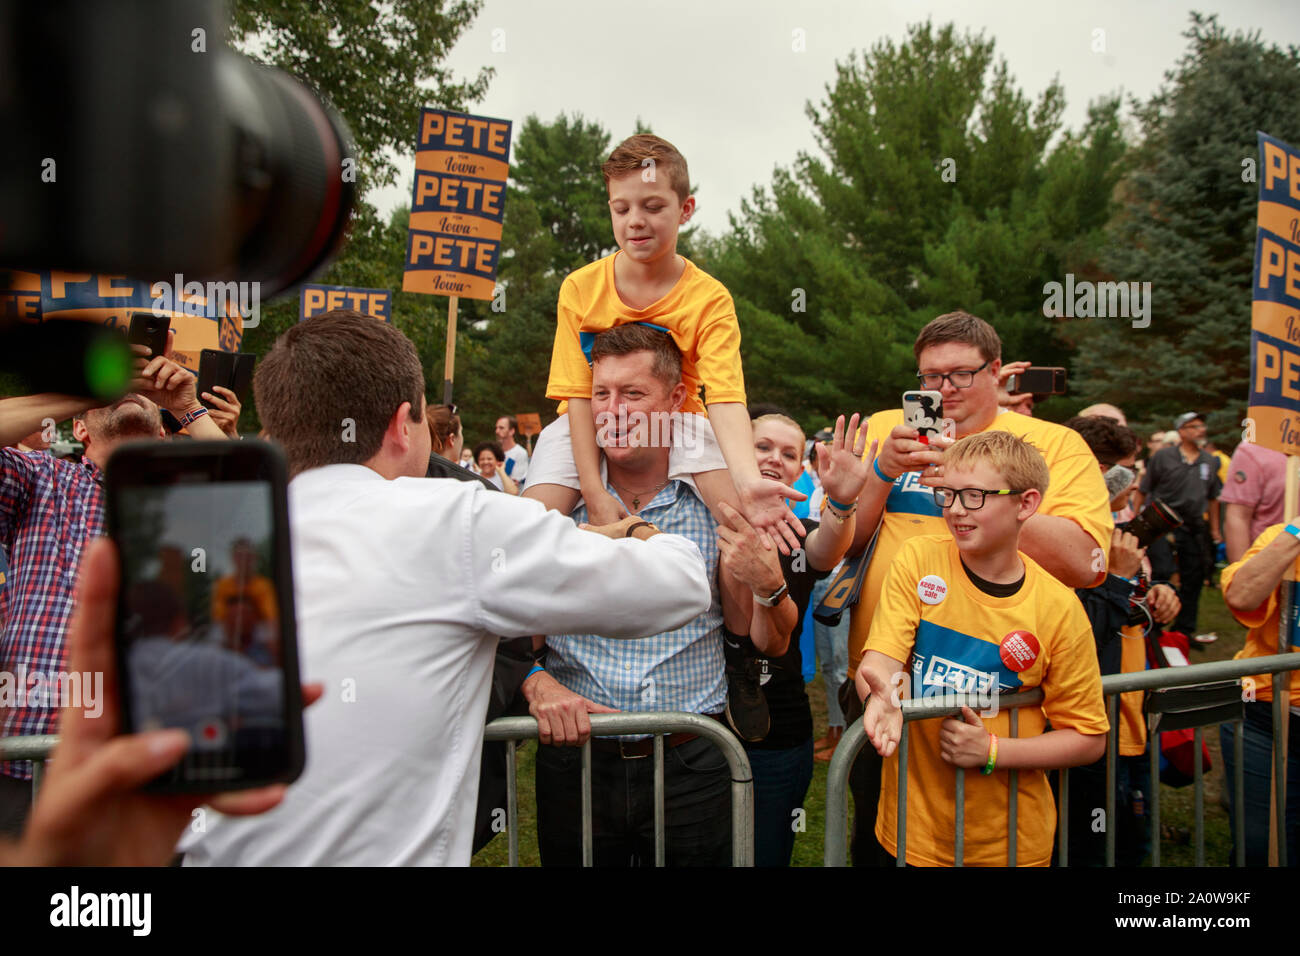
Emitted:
<point x="295" y="174"/>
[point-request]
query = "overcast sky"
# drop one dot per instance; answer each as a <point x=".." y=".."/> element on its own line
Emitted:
<point x="721" y="78"/>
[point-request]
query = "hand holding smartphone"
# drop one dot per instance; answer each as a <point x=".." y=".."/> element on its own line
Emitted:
<point x="232" y="370"/>
<point x="923" y="410"/>
<point x="149" y="330"/>
<point x="1037" y="380"/>
<point x="206" y="638"/>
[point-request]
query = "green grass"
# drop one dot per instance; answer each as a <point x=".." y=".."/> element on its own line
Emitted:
<point x="1176" y="805"/>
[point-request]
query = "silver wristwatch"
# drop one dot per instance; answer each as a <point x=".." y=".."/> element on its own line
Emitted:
<point x="776" y="597"/>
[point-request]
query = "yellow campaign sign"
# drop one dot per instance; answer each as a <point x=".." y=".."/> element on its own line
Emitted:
<point x="1274" y="404"/>
<point x="110" y="300"/>
<point x="457" y="205"/>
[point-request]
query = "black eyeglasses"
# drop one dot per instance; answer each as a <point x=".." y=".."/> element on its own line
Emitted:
<point x="972" y="499"/>
<point x="961" y="379"/>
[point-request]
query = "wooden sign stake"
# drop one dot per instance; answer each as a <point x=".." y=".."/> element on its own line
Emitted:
<point x="1282" y="681"/>
<point x="449" y="366"/>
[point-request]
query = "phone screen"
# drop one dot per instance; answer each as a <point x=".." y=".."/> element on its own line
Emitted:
<point x="203" y="639"/>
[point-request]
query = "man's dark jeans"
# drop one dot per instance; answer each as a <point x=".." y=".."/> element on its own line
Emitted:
<point x="1189" y="543"/>
<point x="1258" y="747"/>
<point x="781" y="779"/>
<point x="697" y="807"/>
<point x="15" y="805"/>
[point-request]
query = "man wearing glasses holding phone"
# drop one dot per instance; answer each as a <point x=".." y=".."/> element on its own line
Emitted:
<point x="960" y="355"/>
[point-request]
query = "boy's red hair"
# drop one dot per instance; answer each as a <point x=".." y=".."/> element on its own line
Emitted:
<point x="630" y="157"/>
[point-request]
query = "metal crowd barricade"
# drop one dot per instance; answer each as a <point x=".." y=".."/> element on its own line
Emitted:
<point x="512" y="729"/>
<point x="37" y="749"/>
<point x="1166" y="715"/>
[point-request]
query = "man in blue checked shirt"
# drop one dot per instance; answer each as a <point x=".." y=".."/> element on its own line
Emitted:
<point x="640" y="369"/>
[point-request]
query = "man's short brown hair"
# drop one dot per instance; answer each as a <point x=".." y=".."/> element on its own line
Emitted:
<point x="1019" y="463"/>
<point x="330" y="371"/>
<point x="635" y="337"/>
<point x="959" y="327"/>
<point x="630" y="157"/>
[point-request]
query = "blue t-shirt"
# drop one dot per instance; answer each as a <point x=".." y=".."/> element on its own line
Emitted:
<point x="805" y="484"/>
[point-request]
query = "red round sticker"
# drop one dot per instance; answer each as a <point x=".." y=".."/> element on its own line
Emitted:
<point x="1019" y="650"/>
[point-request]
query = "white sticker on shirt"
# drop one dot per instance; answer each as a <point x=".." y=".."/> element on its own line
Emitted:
<point x="932" y="589"/>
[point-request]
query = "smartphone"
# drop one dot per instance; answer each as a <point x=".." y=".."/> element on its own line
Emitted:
<point x="923" y="410"/>
<point x="241" y="378"/>
<point x="215" y="368"/>
<point x="205" y="630"/>
<point x="151" y="330"/>
<point x="1038" y="381"/>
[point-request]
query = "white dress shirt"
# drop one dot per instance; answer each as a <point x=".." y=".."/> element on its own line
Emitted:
<point x="400" y="588"/>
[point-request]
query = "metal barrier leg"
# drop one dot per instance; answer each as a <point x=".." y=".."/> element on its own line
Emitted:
<point x="38" y="771"/>
<point x="1153" y="742"/>
<point x="586" y="804"/>
<point x="837" y="798"/>
<point x="1063" y="821"/>
<point x="1112" y="757"/>
<point x="902" y="797"/>
<point x="659" y="800"/>
<point x="1239" y="792"/>
<point x="1198" y="796"/>
<point x="742" y="815"/>
<point x="512" y="804"/>
<point x="1013" y="796"/>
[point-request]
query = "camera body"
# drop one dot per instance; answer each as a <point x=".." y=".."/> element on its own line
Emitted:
<point x="142" y="146"/>
<point x="1156" y="520"/>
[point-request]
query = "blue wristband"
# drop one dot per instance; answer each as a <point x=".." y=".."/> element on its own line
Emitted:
<point x="875" y="463"/>
<point x="1292" y="529"/>
<point x="838" y="506"/>
<point x="536" y="668"/>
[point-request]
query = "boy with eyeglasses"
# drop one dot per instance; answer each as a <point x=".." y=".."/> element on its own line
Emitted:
<point x="1069" y="534"/>
<point x="969" y="613"/>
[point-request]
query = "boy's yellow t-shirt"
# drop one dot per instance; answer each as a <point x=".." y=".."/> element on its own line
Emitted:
<point x="697" y="312"/>
<point x="1263" y="621"/>
<point x="1076" y="491"/>
<point x="952" y="635"/>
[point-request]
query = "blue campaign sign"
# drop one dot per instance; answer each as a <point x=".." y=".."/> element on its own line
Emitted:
<point x="317" y="299"/>
<point x="1274" y="395"/>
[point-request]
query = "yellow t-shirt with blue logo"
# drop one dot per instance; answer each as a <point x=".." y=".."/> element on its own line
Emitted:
<point x="955" y="638"/>
<point x="1076" y="491"/>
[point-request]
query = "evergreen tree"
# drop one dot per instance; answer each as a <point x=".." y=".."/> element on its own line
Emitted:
<point x="378" y="64"/>
<point x="557" y="220"/>
<point x="1187" y="226"/>
<point x="936" y="191"/>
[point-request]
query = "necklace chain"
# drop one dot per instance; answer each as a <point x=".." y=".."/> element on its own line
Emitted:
<point x="636" y="499"/>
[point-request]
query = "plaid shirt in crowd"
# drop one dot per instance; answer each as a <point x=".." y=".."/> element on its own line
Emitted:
<point x="678" y="670"/>
<point x="48" y="510"/>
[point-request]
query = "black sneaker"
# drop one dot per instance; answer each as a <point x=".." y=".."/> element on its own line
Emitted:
<point x="746" y="703"/>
